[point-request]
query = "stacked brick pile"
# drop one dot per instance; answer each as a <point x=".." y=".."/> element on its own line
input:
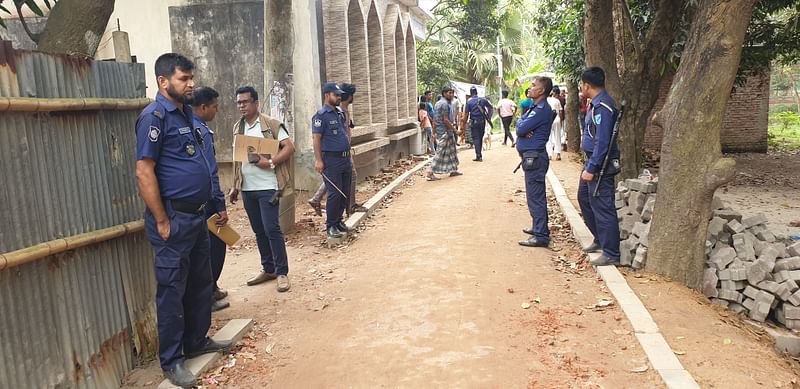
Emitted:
<point x="750" y="270"/>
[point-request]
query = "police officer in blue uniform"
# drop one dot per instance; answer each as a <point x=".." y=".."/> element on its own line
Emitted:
<point x="479" y="112"/>
<point x="332" y="154"/>
<point x="533" y="131"/>
<point x="174" y="180"/>
<point x="599" y="213"/>
<point x="204" y="107"/>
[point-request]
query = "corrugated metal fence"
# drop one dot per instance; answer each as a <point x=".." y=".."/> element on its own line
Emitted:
<point x="81" y="314"/>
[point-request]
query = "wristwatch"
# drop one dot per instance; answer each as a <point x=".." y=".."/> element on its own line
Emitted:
<point x="271" y="165"/>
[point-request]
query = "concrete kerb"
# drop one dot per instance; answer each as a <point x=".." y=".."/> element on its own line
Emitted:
<point x="233" y="331"/>
<point x="661" y="356"/>
<point x="358" y="217"/>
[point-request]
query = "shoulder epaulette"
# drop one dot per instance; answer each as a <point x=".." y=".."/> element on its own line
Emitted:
<point x="158" y="114"/>
<point x="602" y="104"/>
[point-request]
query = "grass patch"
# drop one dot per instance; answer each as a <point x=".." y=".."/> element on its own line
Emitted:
<point x="784" y="130"/>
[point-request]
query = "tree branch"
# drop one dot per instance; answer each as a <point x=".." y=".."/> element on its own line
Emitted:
<point x="34" y="37"/>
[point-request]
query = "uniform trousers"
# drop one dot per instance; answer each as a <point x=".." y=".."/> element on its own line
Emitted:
<point x="339" y="171"/>
<point x="184" y="284"/>
<point x="600" y="215"/>
<point x="536" y="194"/>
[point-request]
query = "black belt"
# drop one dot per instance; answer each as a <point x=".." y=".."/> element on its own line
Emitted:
<point x="187" y="206"/>
<point x="337" y="154"/>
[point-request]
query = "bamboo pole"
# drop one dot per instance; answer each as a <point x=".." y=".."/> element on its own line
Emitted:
<point x="25" y="104"/>
<point x="39" y="251"/>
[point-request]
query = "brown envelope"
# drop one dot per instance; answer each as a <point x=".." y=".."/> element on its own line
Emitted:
<point x="227" y="234"/>
<point x="243" y="144"/>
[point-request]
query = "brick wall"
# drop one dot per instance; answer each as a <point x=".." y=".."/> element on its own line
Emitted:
<point x="744" y="127"/>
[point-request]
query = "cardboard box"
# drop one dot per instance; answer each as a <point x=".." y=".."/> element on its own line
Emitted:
<point x="243" y="144"/>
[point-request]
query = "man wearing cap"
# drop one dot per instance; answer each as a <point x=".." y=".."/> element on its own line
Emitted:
<point x="332" y="155"/>
<point x="478" y="112"/>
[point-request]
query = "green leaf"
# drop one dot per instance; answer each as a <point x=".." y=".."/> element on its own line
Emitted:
<point x="33" y="7"/>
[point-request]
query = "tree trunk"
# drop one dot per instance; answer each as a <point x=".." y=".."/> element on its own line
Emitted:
<point x="633" y="69"/>
<point x="692" y="167"/>
<point x="571" y="121"/>
<point x="598" y="43"/>
<point x="789" y="70"/>
<point x="75" y="26"/>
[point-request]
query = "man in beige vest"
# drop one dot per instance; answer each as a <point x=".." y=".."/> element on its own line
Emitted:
<point x="262" y="182"/>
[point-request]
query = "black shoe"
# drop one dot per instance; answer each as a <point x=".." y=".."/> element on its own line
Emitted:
<point x="602" y="260"/>
<point x="334" y="232"/>
<point x="534" y="242"/>
<point x="528" y="231"/>
<point x="219" y="305"/>
<point x="359" y="208"/>
<point x="180" y="375"/>
<point x="211" y="346"/>
<point x="343" y="228"/>
<point x="220" y="294"/>
<point x="478" y="159"/>
<point x="592" y="248"/>
<point x="453" y="174"/>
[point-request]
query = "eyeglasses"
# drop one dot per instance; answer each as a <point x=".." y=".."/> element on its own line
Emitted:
<point x="243" y="102"/>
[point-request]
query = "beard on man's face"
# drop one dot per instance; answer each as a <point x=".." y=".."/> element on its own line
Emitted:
<point x="183" y="99"/>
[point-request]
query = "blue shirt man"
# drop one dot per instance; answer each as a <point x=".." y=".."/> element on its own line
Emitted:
<point x="599" y="212"/>
<point x="174" y="179"/>
<point x="533" y="130"/>
<point x="205" y="107"/>
<point x="332" y="155"/>
<point x="479" y="112"/>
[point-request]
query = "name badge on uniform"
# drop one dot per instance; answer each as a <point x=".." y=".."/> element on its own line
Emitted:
<point x="335" y="132"/>
<point x="334" y="122"/>
<point x="184" y="130"/>
<point x="190" y="149"/>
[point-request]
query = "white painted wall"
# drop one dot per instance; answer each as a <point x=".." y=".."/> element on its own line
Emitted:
<point x="147" y="24"/>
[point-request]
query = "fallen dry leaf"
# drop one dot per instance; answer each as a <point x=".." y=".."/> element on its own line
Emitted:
<point x="526" y="305"/>
<point x="640" y="369"/>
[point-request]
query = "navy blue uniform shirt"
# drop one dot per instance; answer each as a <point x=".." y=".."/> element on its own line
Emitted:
<point x="597" y="131"/>
<point x="217" y="197"/>
<point x="329" y="122"/>
<point x="474" y="108"/>
<point x="166" y="135"/>
<point x="538" y="121"/>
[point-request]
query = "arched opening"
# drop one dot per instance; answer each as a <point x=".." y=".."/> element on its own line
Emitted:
<point x="376" y="73"/>
<point x="359" y="68"/>
<point x="389" y="63"/>
<point x="400" y="66"/>
<point x="337" y="65"/>
<point x="411" y="70"/>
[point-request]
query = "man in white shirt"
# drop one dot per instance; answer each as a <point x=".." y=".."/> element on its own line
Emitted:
<point x="554" y="143"/>
<point x="506" y="108"/>
<point x="259" y="185"/>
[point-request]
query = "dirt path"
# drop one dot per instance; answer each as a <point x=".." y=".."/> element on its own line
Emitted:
<point x="431" y="294"/>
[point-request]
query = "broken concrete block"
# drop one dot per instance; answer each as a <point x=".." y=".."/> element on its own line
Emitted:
<point x="622" y="187"/>
<point x="779" y="314"/>
<point x="647" y="211"/>
<point x="650" y="187"/>
<point x="626" y="250"/>
<point x="709" y="286"/>
<point x="733" y="285"/>
<point x="769" y="286"/>
<point x="636" y="201"/>
<point x="780" y="248"/>
<point x="626" y="226"/>
<point x="760" y="311"/>
<point x="725" y="237"/>
<point x="792" y="285"/>
<point x="728" y="214"/>
<point x="795" y="298"/>
<point x="792" y="263"/>
<point x="716" y="226"/>
<point x="736" y="307"/>
<point x="753" y="221"/>
<point x="794" y="250"/>
<point x="757" y="272"/>
<point x="751" y="292"/>
<point x="743" y="247"/>
<point x="738" y="273"/>
<point x="724" y="303"/>
<point x="749" y="303"/>
<point x="641" y="256"/>
<point x="783" y="292"/>
<point x="618" y="204"/>
<point x="791" y="312"/>
<point x="765" y="297"/>
<point x="759" y="247"/>
<point x="723" y="257"/>
<point x="781" y="276"/>
<point x="794" y="275"/>
<point x="724" y="274"/>
<point x="734" y="227"/>
<point x="730" y="295"/>
<point x="709" y="246"/>
<point x="766" y="236"/>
